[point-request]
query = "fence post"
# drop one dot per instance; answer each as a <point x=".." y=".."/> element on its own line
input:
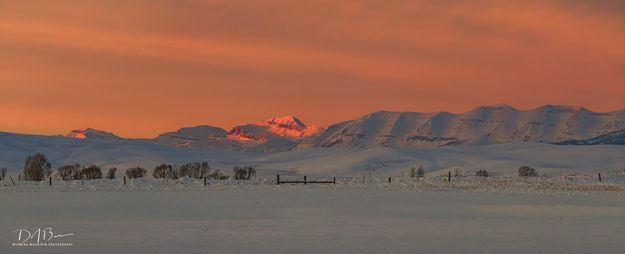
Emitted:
<point x="334" y="180"/>
<point x="449" y="176"/>
<point x="204" y="181"/>
<point x="599" y="177"/>
<point x="278" y="179"/>
<point x="124" y="180"/>
<point x="389" y="180"/>
<point x="363" y="179"/>
<point x="50" y="181"/>
<point x="305" y="180"/>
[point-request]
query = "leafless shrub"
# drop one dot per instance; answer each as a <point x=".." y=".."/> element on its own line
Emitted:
<point x="194" y="169"/>
<point x="526" y="171"/>
<point x="91" y="172"/>
<point x="165" y="171"/>
<point x="37" y="167"/>
<point x="244" y="173"/>
<point x="482" y="173"/>
<point x="69" y="172"/>
<point x="421" y="172"/>
<point x="136" y="172"/>
<point x="111" y="173"/>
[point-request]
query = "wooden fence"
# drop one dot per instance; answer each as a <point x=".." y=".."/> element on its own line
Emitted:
<point x="305" y="181"/>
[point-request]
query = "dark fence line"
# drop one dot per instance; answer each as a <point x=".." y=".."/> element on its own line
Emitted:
<point x="278" y="181"/>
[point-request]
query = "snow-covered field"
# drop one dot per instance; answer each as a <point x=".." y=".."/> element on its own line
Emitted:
<point x="566" y="210"/>
<point x="504" y="215"/>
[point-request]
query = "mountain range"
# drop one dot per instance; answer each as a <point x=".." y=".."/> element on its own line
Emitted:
<point x="486" y="125"/>
<point x="481" y="126"/>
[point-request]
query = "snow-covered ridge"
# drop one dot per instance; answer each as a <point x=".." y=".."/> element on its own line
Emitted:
<point x="481" y="126"/>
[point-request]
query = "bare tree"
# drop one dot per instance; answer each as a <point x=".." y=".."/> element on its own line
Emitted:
<point x="194" y="169"/>
<point x="69" y="172"/>
<point x="239" y="173"/>
<point x="526" y="171"/>
<point x="243" y="173"/>
<point x="251" y="171"/>
<point x="91" y="172"/>
<point x="37" y="167"/>
<point x="165" y="171"/>
<point x="482" y="173"/>
<point x="136" y="172"/>
<point x="111" y="173"/>
<point x="420" y="172"/>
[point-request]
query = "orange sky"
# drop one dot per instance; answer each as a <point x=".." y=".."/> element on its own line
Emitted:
<point x="140" y="68"/>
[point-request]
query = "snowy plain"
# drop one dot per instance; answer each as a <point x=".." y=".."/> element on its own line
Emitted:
<point x="349" y="217"/>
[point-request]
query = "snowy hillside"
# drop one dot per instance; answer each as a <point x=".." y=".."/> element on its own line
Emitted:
<point x="612" y="138"/>
<point x="122" y="153"/>
<point x="481" y="126"/>
<point x="500" y="159"/>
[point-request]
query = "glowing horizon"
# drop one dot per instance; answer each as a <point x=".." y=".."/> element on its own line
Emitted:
<point x="142" y="68"/>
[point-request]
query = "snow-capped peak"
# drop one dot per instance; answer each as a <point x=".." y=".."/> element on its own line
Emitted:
<point x="288" y="122"/>
<point x="90" y="133"/>
<point x="291" y="127"/>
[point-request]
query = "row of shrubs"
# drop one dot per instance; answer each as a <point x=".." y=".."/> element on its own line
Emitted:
<point x="37" y="168"/>
<point x="523" y="171"/>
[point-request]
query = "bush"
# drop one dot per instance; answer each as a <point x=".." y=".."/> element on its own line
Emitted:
<point x="165" y="171"/>
<point x="136" y="172"/>
<point x="69" y="172"/>
<point x="482" y="173"/>
<point x="244" y="173"/>
<point x="417" y="172"/>
<point x="3" y="173"/>
<point x="421" y="172"/>
<point x="218" y="175"/>
<point x="526" y="171"/>
<point x="36" y="168"/>
<point x="91" y="172"/>
<point x="196" y="170"/>
<point x="111" y="173"/>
